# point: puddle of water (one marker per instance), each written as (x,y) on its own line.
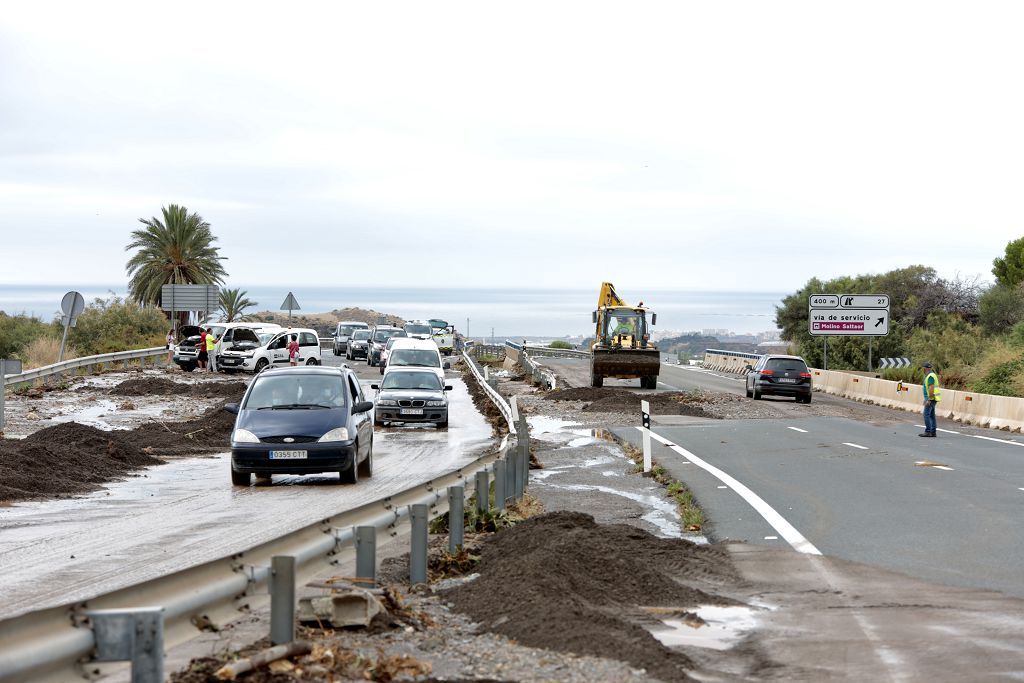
(90,415)
(544,424)
(664,515)
(723,627)
(581,441)
(599,460)
(611,473)
(541,475)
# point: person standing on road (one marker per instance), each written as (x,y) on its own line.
(169,345)
(202,355)
(293,350)
(211,343)
(932,395)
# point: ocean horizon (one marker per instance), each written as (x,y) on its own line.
(509,312)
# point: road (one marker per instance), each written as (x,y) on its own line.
(869,490)
(187,512)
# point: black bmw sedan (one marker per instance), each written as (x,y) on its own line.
(411,394)
(302,420)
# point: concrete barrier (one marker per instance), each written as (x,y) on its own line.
(982,410)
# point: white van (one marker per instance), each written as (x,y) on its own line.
(420,353)
(272,351)
(237,336)
(418,329)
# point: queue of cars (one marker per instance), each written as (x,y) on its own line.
(303,420)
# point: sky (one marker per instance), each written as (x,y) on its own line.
(741,146)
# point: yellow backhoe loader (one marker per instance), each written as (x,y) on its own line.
(622,344)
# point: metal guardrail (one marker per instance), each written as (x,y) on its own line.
(57,643)
(548,352)
(85,361)
(738,354)
(492,393)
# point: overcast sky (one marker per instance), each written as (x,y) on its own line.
(727,146)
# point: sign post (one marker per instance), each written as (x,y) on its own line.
(8,366)
(72,305)
(645,422)
(290,304)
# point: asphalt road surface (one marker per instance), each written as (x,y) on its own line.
(947,509)
(187,512)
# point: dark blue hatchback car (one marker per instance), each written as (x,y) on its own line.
(302,420)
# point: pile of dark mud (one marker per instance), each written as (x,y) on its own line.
(563,582)
(161,386)
(606,400)
(71,458)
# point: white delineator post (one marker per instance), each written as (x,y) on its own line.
(645,420)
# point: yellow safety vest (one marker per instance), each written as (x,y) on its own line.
(936,392)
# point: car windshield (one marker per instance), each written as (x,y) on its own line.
(785,364)
(411,380)
(421,357)
(218,330)
(265,337)
(361,335)
(345,330)
(296,391)
(416,328)
(384,335)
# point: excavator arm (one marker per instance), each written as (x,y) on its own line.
(608,297)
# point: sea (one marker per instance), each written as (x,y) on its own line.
(482,312)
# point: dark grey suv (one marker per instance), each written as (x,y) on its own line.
(775,375)
(379,335)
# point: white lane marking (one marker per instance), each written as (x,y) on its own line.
(1022,488)
(934,466)
(771,538)
(855,445)
(797,429)
(946,431)
(777,522)
(979,436)
(725,487)
(669,386)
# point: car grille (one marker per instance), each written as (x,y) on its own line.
(411,404)
(294,439)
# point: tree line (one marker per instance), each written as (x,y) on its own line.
(972,331)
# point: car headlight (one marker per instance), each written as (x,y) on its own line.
(386,402)
(244,436)
(339,434)
(435,404)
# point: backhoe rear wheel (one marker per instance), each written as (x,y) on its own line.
(596,380)
(649,382)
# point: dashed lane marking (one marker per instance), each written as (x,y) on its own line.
(855,445)
(771,538)
(777,521)
(797,429)
(979,436)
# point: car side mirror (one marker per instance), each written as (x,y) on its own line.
(231,408)
(749,368)
(376,387)
(362,407)
(448,387)
(446,366)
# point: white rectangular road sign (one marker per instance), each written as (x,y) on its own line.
(862,301)
(864,322)
(823,301)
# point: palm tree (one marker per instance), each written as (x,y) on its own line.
(233,303)
(175,251)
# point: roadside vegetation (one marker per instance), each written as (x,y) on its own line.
(972,331)
(560,344)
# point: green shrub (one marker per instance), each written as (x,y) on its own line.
(560,344)
(1001,380)
(113,324)
(18,331)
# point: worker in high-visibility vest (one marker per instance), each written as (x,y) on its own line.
(932,395)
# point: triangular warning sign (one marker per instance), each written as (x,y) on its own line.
(290,304)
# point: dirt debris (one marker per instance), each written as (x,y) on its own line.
(71,458)
(161,386)
(605,400)
(563,582)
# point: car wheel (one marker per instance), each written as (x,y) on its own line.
(188,368)
(748,391)
(240,478)
(756,393)
(807,399)
(351,475)
(366,466)
(261,365)
(311,361)
(442,425)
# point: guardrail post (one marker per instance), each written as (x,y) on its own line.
(282,599)
(456,518)
(523,435)
(418,550)
(482,491)
(502,481)
(366,552)
(135,635)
